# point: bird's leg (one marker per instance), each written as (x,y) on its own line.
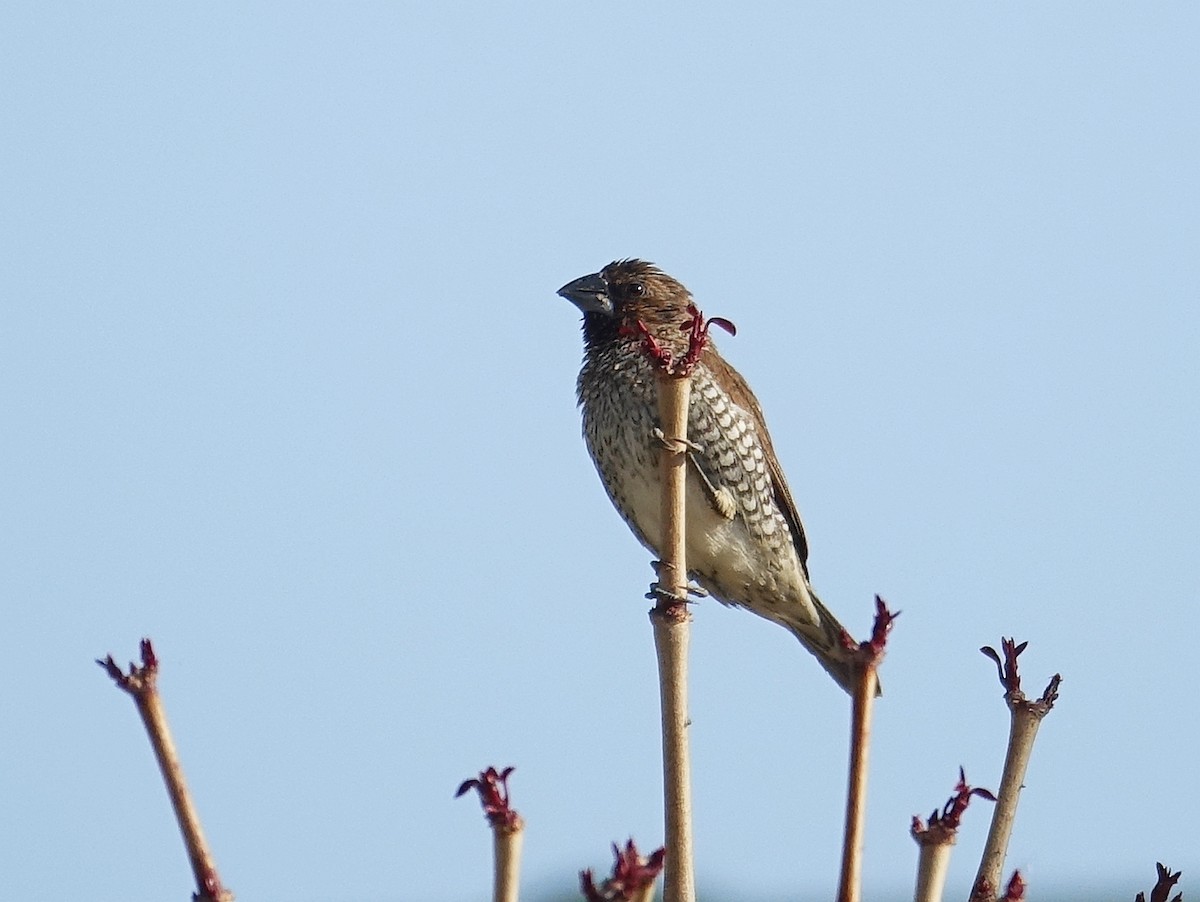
(721,498)
(675,444)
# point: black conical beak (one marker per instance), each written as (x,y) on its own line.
(589,294)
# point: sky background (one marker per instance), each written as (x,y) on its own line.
(285,386)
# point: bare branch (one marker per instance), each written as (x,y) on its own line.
(1026,717)
(508,830)
(141,683)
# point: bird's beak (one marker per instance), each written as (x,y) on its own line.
(589,294)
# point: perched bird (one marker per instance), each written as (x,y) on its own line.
(745,543)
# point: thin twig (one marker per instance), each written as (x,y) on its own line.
(508,830)
(506,855)
(937,838)
(850,884)
(670,618)
(1026,717)
(866,657)
(141,683)
(933,863)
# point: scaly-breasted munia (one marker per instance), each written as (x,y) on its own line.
(745,543)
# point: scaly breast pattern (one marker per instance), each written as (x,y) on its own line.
(747,559)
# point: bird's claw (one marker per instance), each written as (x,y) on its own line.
(676,444)
(658,590)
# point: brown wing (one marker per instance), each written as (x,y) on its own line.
(741,395)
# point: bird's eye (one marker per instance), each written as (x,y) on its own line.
(637,289)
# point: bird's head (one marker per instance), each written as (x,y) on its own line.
(625,292)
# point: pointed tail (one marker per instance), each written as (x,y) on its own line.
(824,640)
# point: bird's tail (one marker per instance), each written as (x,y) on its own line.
(824,640)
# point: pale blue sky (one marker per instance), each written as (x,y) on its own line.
(285,386)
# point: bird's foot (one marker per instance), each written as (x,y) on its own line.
(676,444)
(658,590)
(660,593)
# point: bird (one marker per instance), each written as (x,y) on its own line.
(745,543)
